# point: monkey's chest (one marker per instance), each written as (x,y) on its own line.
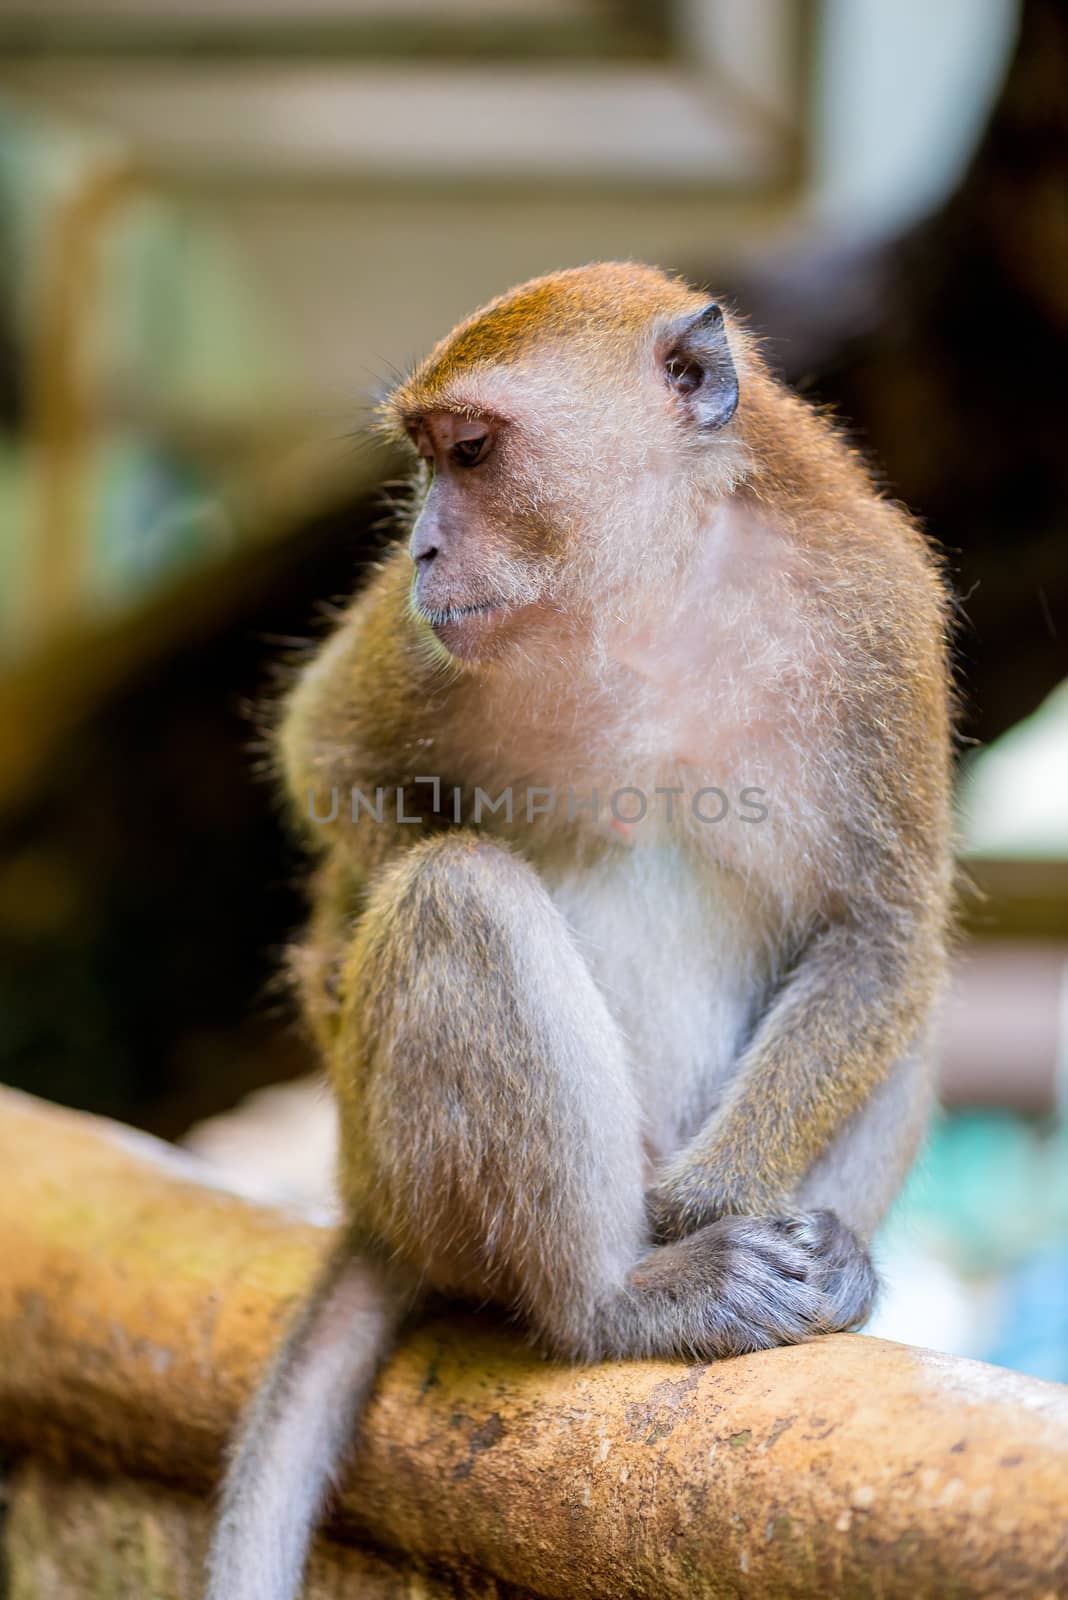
(679,962)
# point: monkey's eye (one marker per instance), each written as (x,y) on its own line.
(469,452)
(684,374)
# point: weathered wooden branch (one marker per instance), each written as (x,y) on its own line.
(137,1304)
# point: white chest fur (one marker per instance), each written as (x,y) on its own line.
(681,967)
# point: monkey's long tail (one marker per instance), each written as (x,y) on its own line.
(298,1427)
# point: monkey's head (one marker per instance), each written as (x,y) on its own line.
(569,434)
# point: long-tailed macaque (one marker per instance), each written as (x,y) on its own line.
(628,773)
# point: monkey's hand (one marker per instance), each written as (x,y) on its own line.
(763,1281)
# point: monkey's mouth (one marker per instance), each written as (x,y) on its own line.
(466,632)
(451,615)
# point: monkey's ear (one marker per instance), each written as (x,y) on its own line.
(699,369)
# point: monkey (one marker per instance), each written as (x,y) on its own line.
(645,1076)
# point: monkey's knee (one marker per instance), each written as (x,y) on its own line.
(463,861)
(444,924)
(457,887)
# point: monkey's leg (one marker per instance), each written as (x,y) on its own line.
(491,1135)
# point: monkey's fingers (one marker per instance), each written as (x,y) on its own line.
(750,1283)
(842,1266)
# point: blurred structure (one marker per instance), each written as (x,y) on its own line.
(223,226)
(943,349)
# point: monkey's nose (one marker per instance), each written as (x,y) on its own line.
(423,546)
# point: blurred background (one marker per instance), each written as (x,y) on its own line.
(226,224)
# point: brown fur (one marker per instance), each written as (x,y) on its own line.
(555,1041)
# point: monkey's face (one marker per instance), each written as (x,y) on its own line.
(481,550)
(567,436)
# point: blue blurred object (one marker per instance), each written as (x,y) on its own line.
(1033,1337)
(975,1254)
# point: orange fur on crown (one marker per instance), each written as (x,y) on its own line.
(603,304)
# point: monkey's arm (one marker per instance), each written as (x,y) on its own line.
(353,733)
(351,736)
(850,1009)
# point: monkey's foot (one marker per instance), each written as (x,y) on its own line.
(749,1283)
